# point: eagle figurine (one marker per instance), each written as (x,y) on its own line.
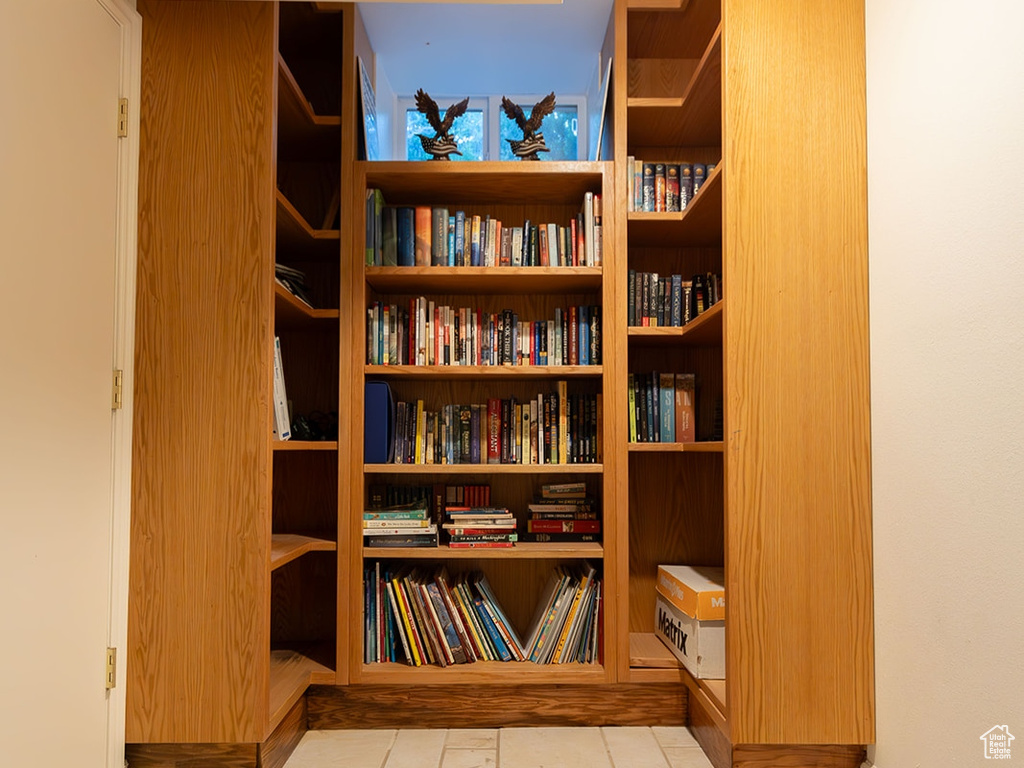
(532,141)
(442,144)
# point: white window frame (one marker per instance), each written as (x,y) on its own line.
(491,107)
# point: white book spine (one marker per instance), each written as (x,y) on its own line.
(282,424)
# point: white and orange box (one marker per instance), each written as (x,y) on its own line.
(690,617)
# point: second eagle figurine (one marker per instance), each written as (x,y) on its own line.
(532,141)
(442,144)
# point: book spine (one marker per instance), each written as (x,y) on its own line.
(648,187)
(667,394)
(423,235)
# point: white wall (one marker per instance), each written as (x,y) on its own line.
(946,212)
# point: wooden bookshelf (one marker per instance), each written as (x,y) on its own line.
(482,672)
(709,446)
(484,280)
(483,469)
(483,372)
(290,674)
(285,547)
(700,224)
(291,312)
(303,134)
(703,330)
(295,235)
(305,445)
(527,550)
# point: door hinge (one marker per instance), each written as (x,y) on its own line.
(111,668)
(122,118)
(117,400)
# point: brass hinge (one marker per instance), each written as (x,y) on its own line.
(122,118)
(117,400)
(111,668)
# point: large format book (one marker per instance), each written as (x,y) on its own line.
(406,236)
(423,235)
(685,407)
(282,423)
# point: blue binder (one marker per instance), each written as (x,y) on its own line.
(378,424)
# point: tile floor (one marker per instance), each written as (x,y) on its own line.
(500,748)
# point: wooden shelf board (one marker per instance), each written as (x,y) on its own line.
(705,330)
(700,224)
(648,652)
(704,446)
(484,372)
(691,120)
(483,469)
(305,445)
(303,134)
(285,547)
(483,672)
(657,5)
(484,280)
(650,660)
(408,183)
(715,689)
(290,674)
(292,312)
(521,551)
(296,238)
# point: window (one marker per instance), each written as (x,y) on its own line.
(483,132)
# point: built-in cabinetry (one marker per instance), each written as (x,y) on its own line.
(247,557)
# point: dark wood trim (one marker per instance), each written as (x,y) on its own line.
(706,730)
(495,706)
(275,751)
(798,756)
(191,755)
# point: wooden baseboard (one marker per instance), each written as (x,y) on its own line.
(495,706)
(797,756)
(272,753)
(709,729)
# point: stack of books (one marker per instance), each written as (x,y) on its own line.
(293,281)
(480,527)
(567,624)
(563,513)
(404,525)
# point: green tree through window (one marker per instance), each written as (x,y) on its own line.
(468,132)
(560,129)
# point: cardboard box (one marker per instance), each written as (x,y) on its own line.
(690,617)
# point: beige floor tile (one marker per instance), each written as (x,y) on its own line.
(478,738)
(674,736)
(552,748)
(417,748)
(350,749)
(687,757)
(633,748)
(469,758)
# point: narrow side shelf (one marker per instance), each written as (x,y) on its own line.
(301,131)
(295,236)
(704,330)
(290,674)
(706,446)
(521,551)
(694,119)
(484,280)
(700,224)
(651,661)
(285,547)
(305,445)
(483,469)
(292,312)
(483,372)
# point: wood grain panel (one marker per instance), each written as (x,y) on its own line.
(306,493)
(799,615)
(710,730)
(198,629)
(192,755)
(290,675)
(797,756)
(659,77)
(304,605)
(658,33)
(391,706)
(275,751)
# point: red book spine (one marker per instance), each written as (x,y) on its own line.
(563,526)
(574,352)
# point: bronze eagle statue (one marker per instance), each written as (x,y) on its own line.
(442,144)
(532,141)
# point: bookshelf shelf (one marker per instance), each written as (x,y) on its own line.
(303,134)
(708,446)
(305,445)
(295,235)
(510,183)
(521,551)
(693,119)
(482,672)
(700,224)
(291,312)
(705,330)
(290,674)
(484,280)
(483,372)
(285,547)
(483,469)
(657,5)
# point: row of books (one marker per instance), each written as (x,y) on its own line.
(553,428)
(436,496)
(664,186)
(425,616)
(478,527)
(400,525)
(430,334)
(432,236)
(569,515)
(669,300)
(662,408)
